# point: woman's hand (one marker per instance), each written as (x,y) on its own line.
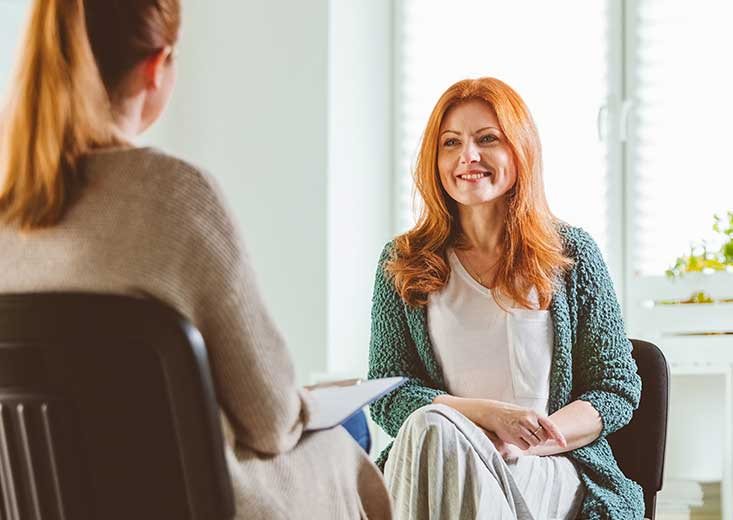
(520,426)
(513,424)
(506,450)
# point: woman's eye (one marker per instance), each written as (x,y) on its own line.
(488,138)
(450,142)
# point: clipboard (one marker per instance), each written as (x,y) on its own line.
(336,404)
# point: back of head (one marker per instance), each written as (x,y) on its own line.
(71,70)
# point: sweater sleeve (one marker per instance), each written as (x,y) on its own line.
(392,352)
(251,366)
(604,369)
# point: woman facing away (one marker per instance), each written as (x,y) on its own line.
(506,323)
(81,209)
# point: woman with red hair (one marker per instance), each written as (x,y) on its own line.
(506,323)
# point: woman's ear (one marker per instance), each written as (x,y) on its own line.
(154,67)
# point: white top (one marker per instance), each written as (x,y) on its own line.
(486,352)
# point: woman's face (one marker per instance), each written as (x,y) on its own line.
(475,162)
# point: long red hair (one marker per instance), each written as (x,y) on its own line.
(533,253)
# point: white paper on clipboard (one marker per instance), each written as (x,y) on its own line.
(334,404)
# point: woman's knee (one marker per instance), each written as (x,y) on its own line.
(441,425)
(431,419)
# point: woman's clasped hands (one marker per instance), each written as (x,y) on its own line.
(522,427)
(514,430)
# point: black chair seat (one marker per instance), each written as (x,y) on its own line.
(107,411)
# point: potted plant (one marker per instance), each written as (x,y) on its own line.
(701,259)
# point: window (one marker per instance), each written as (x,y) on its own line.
(631,98)
(680,89)
(560,68)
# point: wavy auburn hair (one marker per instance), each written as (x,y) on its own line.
(533,253)
(74,57)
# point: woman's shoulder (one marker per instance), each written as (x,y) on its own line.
(186,175)
(589,272)
(175,193)
(388,251)
(578,244)
(147,166)
(387,254)
(154,174)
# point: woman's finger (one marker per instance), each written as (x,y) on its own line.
(532,439)
(552,430)
(522,443)
(540,433)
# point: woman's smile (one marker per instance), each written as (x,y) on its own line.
(474,176)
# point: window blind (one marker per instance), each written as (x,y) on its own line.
(681,172)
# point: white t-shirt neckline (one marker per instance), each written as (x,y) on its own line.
(458,268)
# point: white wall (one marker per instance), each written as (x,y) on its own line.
(360,172)
(251,107)
(288,104)
(12,19)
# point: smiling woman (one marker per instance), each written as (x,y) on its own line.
(474,159)
(506,324)
(476,126)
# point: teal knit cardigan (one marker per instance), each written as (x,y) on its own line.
(591,361)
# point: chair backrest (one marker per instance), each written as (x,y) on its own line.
(639,446)
(107,410)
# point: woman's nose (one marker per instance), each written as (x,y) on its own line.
(469,153)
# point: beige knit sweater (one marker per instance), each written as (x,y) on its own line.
(151,224)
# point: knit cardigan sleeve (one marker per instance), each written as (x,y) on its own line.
(392,352)
(604,370)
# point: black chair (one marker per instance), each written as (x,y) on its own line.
(639,446)
(107,411)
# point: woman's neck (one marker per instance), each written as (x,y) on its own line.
(483,226)
(128,117)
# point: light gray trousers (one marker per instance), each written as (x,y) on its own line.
(442,466)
